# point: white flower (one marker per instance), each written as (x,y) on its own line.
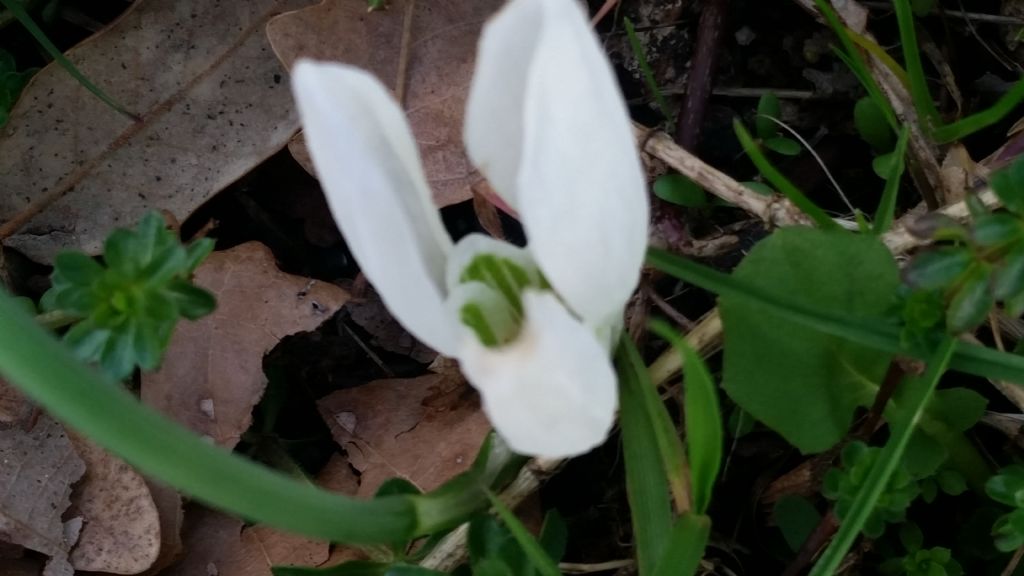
(547,125)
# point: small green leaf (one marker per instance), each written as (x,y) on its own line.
(679,189)
(886,211)
(554,535)
(783,145)
(1008,279)
(768,107)
(937,268)
(972,302)
(996,230)
(534,552)
(1007,487)
(958,408)
(1008,184)
(872,125)
(911,536)
(1008,532)
(882,164)
(797,518)
(951,482)
(77,268)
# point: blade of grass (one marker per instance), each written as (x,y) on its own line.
(779,181)
(851,57)
(645,68)
(886,212)
(878,333)
(19,12)
(646,484)
(687,541)
(980,120)
(879,53)
(927,113)
(878,478)
(39,365)
(533,550)
(703,418)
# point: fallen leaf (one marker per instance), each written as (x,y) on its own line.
(425,429)
(15,409)
(369,312)
(212,101)
(121,530)
(212,375)
(39,468)
(441,52)
(172,516)
(216,545)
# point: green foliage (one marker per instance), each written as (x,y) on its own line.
(797,518)
(19,12)
(871,124)
(886,211)
(358,568)
(11,84)
(919,561)
(1007,487)
(511,549)
(679,189)
(767,127)
(645,68)
(843,485)
(129,306)
(799,382)
(981,264)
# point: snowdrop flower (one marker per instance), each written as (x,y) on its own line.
(546,124)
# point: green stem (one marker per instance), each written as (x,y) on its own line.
(45,370)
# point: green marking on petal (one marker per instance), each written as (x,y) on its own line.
(472,315)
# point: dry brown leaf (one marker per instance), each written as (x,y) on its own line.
(15,409)
(212,375)
(216,544)
(172,516)
(440,63)
(121,529)
(424,429)
(39,468)
(213,102)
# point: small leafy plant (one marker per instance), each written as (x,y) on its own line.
(1007,487)
(126,307)
(920,561)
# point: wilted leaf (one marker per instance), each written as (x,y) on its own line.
(213,103)
(121,529)
(442,47)
(424,429)
(172,516)
(216,545)
(39,468)
(212,375)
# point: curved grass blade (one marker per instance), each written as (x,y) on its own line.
(645,68)
(44,369)
(646,484)
(886,211)
(779,181)
(878,479)
(533,550)
(873,332)
(849,55)
(19,12)
(980,120)
(927,113)
(703,419)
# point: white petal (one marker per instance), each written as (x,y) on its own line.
(493,128)
(582,195)
(368,165)
(552,391)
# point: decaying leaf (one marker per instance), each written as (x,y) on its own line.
(212,375)
(441,49)
(212,103)
(39,468)
(369,313)
(216,544)
(424,429)
(172,516)
(15,409)
(121,529)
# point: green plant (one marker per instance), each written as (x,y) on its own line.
(11,84)
(843,485)
(920,561)
(1007,487)
(128,306)
(767,126)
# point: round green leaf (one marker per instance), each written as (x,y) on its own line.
(767,106)
(1008,279)
(972,302)
(679,189)
(872,125)
(937,268)
(997,229)
(1008,184)
(783,145)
